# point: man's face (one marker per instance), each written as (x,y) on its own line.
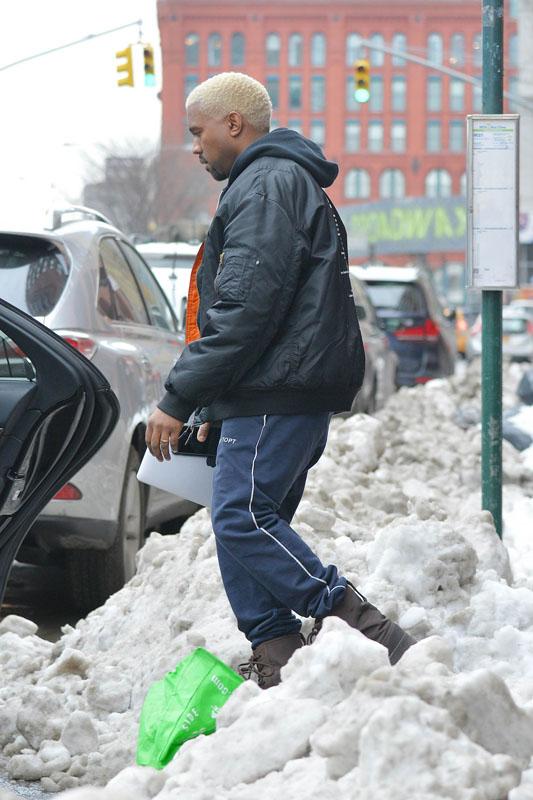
(212,143)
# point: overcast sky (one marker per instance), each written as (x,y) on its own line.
(59,106)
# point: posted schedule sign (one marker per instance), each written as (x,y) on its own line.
(492,190)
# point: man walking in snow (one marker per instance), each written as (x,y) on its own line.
(279,352)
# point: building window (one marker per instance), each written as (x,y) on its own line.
(433,136)
(273,47)
(377,57)
(477,47)
(190,82)
(295,125)
(457,50)
(318,50)
(392,183)
(399,42)
(433,93)
(375,102)
(274,124)
(214,50)
(318,93)
(192,49)
(462,184)
(318,132)
(399,91)
(357,184)
(295,91)
(477,99)
(438,183)
(352,136)
(398,136)
(272,87)
(237,49)
(456,136)
(353,48)
(375,136)
(513,9)
(513,50)
(457,95)
(351,102)
(434,48)
(513,89)
(295,50)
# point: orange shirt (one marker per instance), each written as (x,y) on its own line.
(192,331)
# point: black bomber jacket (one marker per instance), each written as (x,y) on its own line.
(279,331)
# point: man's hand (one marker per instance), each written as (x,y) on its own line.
(162,434)
(203,431)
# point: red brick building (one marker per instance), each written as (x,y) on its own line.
(407,141)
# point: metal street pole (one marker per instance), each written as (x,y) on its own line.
(491,309)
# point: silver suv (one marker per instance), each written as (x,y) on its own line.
(83,279)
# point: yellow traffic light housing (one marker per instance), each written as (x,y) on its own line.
(149,70)
(126,67)
(361,77)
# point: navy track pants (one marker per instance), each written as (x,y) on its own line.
(268,571)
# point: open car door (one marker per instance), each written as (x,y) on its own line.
(56,410)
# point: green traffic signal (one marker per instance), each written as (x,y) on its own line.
(149,70)
(361,78)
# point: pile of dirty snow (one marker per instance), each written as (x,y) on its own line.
(394,503)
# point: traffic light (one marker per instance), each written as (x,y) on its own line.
(126,67)
(148,59)
(361,77)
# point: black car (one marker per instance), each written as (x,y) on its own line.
(56,411)
(410,312)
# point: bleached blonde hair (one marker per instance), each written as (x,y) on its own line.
(233,91)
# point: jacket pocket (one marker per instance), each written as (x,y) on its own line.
(234,278)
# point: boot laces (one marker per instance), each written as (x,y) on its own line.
(317,627)
(254,666)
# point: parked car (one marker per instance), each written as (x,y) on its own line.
(381,361)
(171,263)
(523,304)
(56,411)
(83,279)
(517,335)
(410,312)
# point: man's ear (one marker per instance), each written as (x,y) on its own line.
(235,123)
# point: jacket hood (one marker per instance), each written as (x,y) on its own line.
(284,143)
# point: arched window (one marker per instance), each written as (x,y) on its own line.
(237,49)
(457,49)
(392,183)
(434,47)
(192,49)
(295,50)
(353,48)
(438,183)
(273,47)
(377,57)
(318,50)
(477,47)
(399,42)
(513,50)
(214,50)
(357,184)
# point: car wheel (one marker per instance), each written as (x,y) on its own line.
(93,575)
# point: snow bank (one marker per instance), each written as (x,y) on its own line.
(395,503)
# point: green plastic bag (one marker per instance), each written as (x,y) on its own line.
(183,705)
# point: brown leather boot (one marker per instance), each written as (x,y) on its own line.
(355,609)
(269,657)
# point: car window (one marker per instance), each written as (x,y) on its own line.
(397,296)
(514,325)
(13,362)
(156,302)
(33,273)
(118,294)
